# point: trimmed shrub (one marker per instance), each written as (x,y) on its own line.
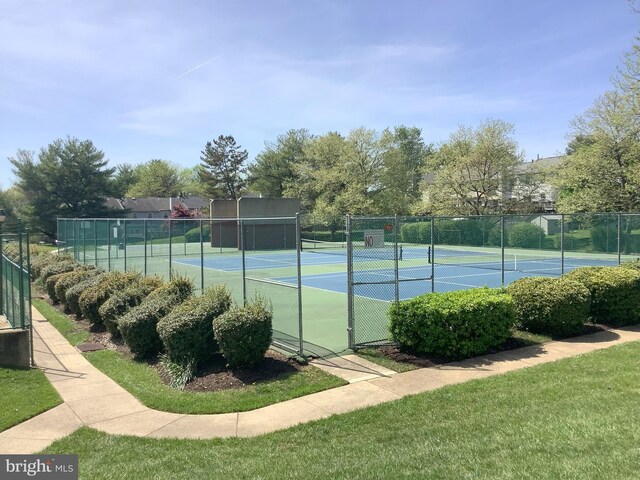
(635,265)
(244,334)
(121,301)
(186,332)
(44,260)
(454,324)
(193,235)
(51,284)
(69,279)
(93,297)
(138,325)
(524,235)
(56,268)
(615,293)
(552,306)
(73,293)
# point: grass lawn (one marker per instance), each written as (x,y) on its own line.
(25,394)
(144,383)
(576,418)
(373,355)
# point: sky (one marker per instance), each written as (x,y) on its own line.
(158,79)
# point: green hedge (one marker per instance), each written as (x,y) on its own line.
(419,233)
(121,301)
(524,235)
(56,268)
(69,279)
(244,334)
(193,235)
(50,286)
(39,262)
(456,324)
(615,293)
(93,297)
(186,332)
(73,293)
(558,307)
(139,325)
(476,232)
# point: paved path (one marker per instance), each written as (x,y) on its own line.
(92,399)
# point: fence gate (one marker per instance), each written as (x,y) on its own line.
(388,259)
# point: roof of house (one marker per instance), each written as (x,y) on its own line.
(542,162)
(156,204)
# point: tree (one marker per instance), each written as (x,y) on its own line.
(156,178)
(274,166)
(603,174)
(69,179)
(190,182)
(223,168)
(404,154)
(338,175)
(470,172)
(125,177)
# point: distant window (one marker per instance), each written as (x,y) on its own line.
(134,215)
(149,215)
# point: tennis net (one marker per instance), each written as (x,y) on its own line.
(544,263)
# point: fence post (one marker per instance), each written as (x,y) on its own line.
(95,243)
(144,236)
(502,248)
(20,275)
(201,258)
(170,253)
(109,233)
(244,264)
(2,273)
(432,259)
(299,262)
(28,279)
(396,275)
(350,319)
(84,241)
(562,244)
(619,238)
(124,238)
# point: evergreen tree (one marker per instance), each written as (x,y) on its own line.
(223,168)
(69,179)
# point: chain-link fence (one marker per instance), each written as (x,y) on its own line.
(393,258)
(387,260)
(15,285)
(331,281)
(246,255)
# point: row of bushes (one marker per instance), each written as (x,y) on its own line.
(475,233)
(471,322)
(153,317)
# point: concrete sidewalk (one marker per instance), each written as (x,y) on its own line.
(92,399)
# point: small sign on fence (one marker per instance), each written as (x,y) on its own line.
(373,238)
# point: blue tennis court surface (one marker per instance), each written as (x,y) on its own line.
(447,277)
(482,269)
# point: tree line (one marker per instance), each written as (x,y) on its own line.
(477,170)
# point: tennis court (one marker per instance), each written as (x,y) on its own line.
(328,297)
(454,269)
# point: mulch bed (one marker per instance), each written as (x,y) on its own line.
(393,352)
(213,376)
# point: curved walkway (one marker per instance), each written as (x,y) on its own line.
(94,400)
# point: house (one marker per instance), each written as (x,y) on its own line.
(528,192)
(532,188)
(156,207)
